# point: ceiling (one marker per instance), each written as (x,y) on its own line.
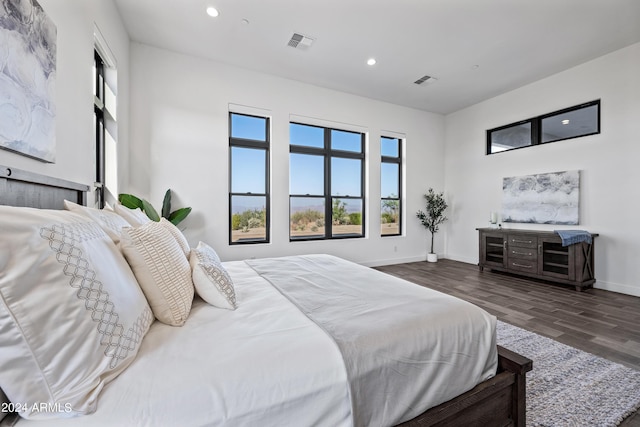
(476,49)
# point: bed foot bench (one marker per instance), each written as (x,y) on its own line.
(499,401)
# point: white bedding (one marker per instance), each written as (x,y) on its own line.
(263,364)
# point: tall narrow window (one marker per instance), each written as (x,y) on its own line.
(249,179)
(326,183)
(105,124)
(99,124)
(391,186)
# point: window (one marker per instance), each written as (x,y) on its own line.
(99,125)
(249,179)
(326,181)
(572,122)
(390,186)
(104,106)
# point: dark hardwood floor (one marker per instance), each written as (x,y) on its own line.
(600,322)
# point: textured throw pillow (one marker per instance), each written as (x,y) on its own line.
(135,217)
(211,280)
(177,234)
(108,220)
(72,316)
(162,271)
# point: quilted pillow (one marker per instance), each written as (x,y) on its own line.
(135,217)
(108,220)
(211,280)
(177,234)
(162,271)
(72,316)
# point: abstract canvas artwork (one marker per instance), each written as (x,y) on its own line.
(549,198)
(27,79)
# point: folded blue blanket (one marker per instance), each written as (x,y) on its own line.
(569,237)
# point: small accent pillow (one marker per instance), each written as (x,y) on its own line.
(210,278)
(135,217)
(108,220)
(177,234)
(72,316)
(162,271)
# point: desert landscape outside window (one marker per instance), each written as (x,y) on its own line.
(326,183)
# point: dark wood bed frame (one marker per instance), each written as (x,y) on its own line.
(499,401)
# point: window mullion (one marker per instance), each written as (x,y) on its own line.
(328,204)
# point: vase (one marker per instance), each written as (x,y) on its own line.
(432,257)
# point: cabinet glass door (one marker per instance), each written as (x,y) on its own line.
(494,250)
(554,259)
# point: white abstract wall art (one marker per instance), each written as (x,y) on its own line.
(549,198)
(27,80)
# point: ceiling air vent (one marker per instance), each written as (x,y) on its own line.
(425,80)
(300,41)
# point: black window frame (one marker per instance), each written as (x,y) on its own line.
(536,127)
(394,160)
(256,145)
(328,154)
(99,118)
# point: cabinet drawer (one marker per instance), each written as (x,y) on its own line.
(527,265)
(522,241)
(523,253)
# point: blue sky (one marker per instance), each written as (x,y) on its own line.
(306,171)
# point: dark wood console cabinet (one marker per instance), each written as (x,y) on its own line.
(537,254)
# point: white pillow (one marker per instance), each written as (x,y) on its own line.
(177,234)
(111,222)
(72,316)
(212,281)
(162,271)
(135,217)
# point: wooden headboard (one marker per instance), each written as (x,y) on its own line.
(28,189)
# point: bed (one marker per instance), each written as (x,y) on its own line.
(291,341)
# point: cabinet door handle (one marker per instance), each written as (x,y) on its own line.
(522,241)
(521,265)
(521,253)
(504,245)
(539,249)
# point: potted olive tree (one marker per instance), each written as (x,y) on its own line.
(433,217)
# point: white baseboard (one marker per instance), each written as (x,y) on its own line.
(467,260)
(617,287)
(607,286)
(381,262)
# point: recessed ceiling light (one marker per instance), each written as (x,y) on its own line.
(212,11)
(565,122)
(371,61)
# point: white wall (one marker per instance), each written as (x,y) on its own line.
(609,202)
(179,134)
(75,146)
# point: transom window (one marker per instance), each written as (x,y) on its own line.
(390,186)
(572,122)
(249,179)
(326,183)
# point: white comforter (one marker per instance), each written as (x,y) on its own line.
(263,364)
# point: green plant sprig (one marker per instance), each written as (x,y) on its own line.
(175,217)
